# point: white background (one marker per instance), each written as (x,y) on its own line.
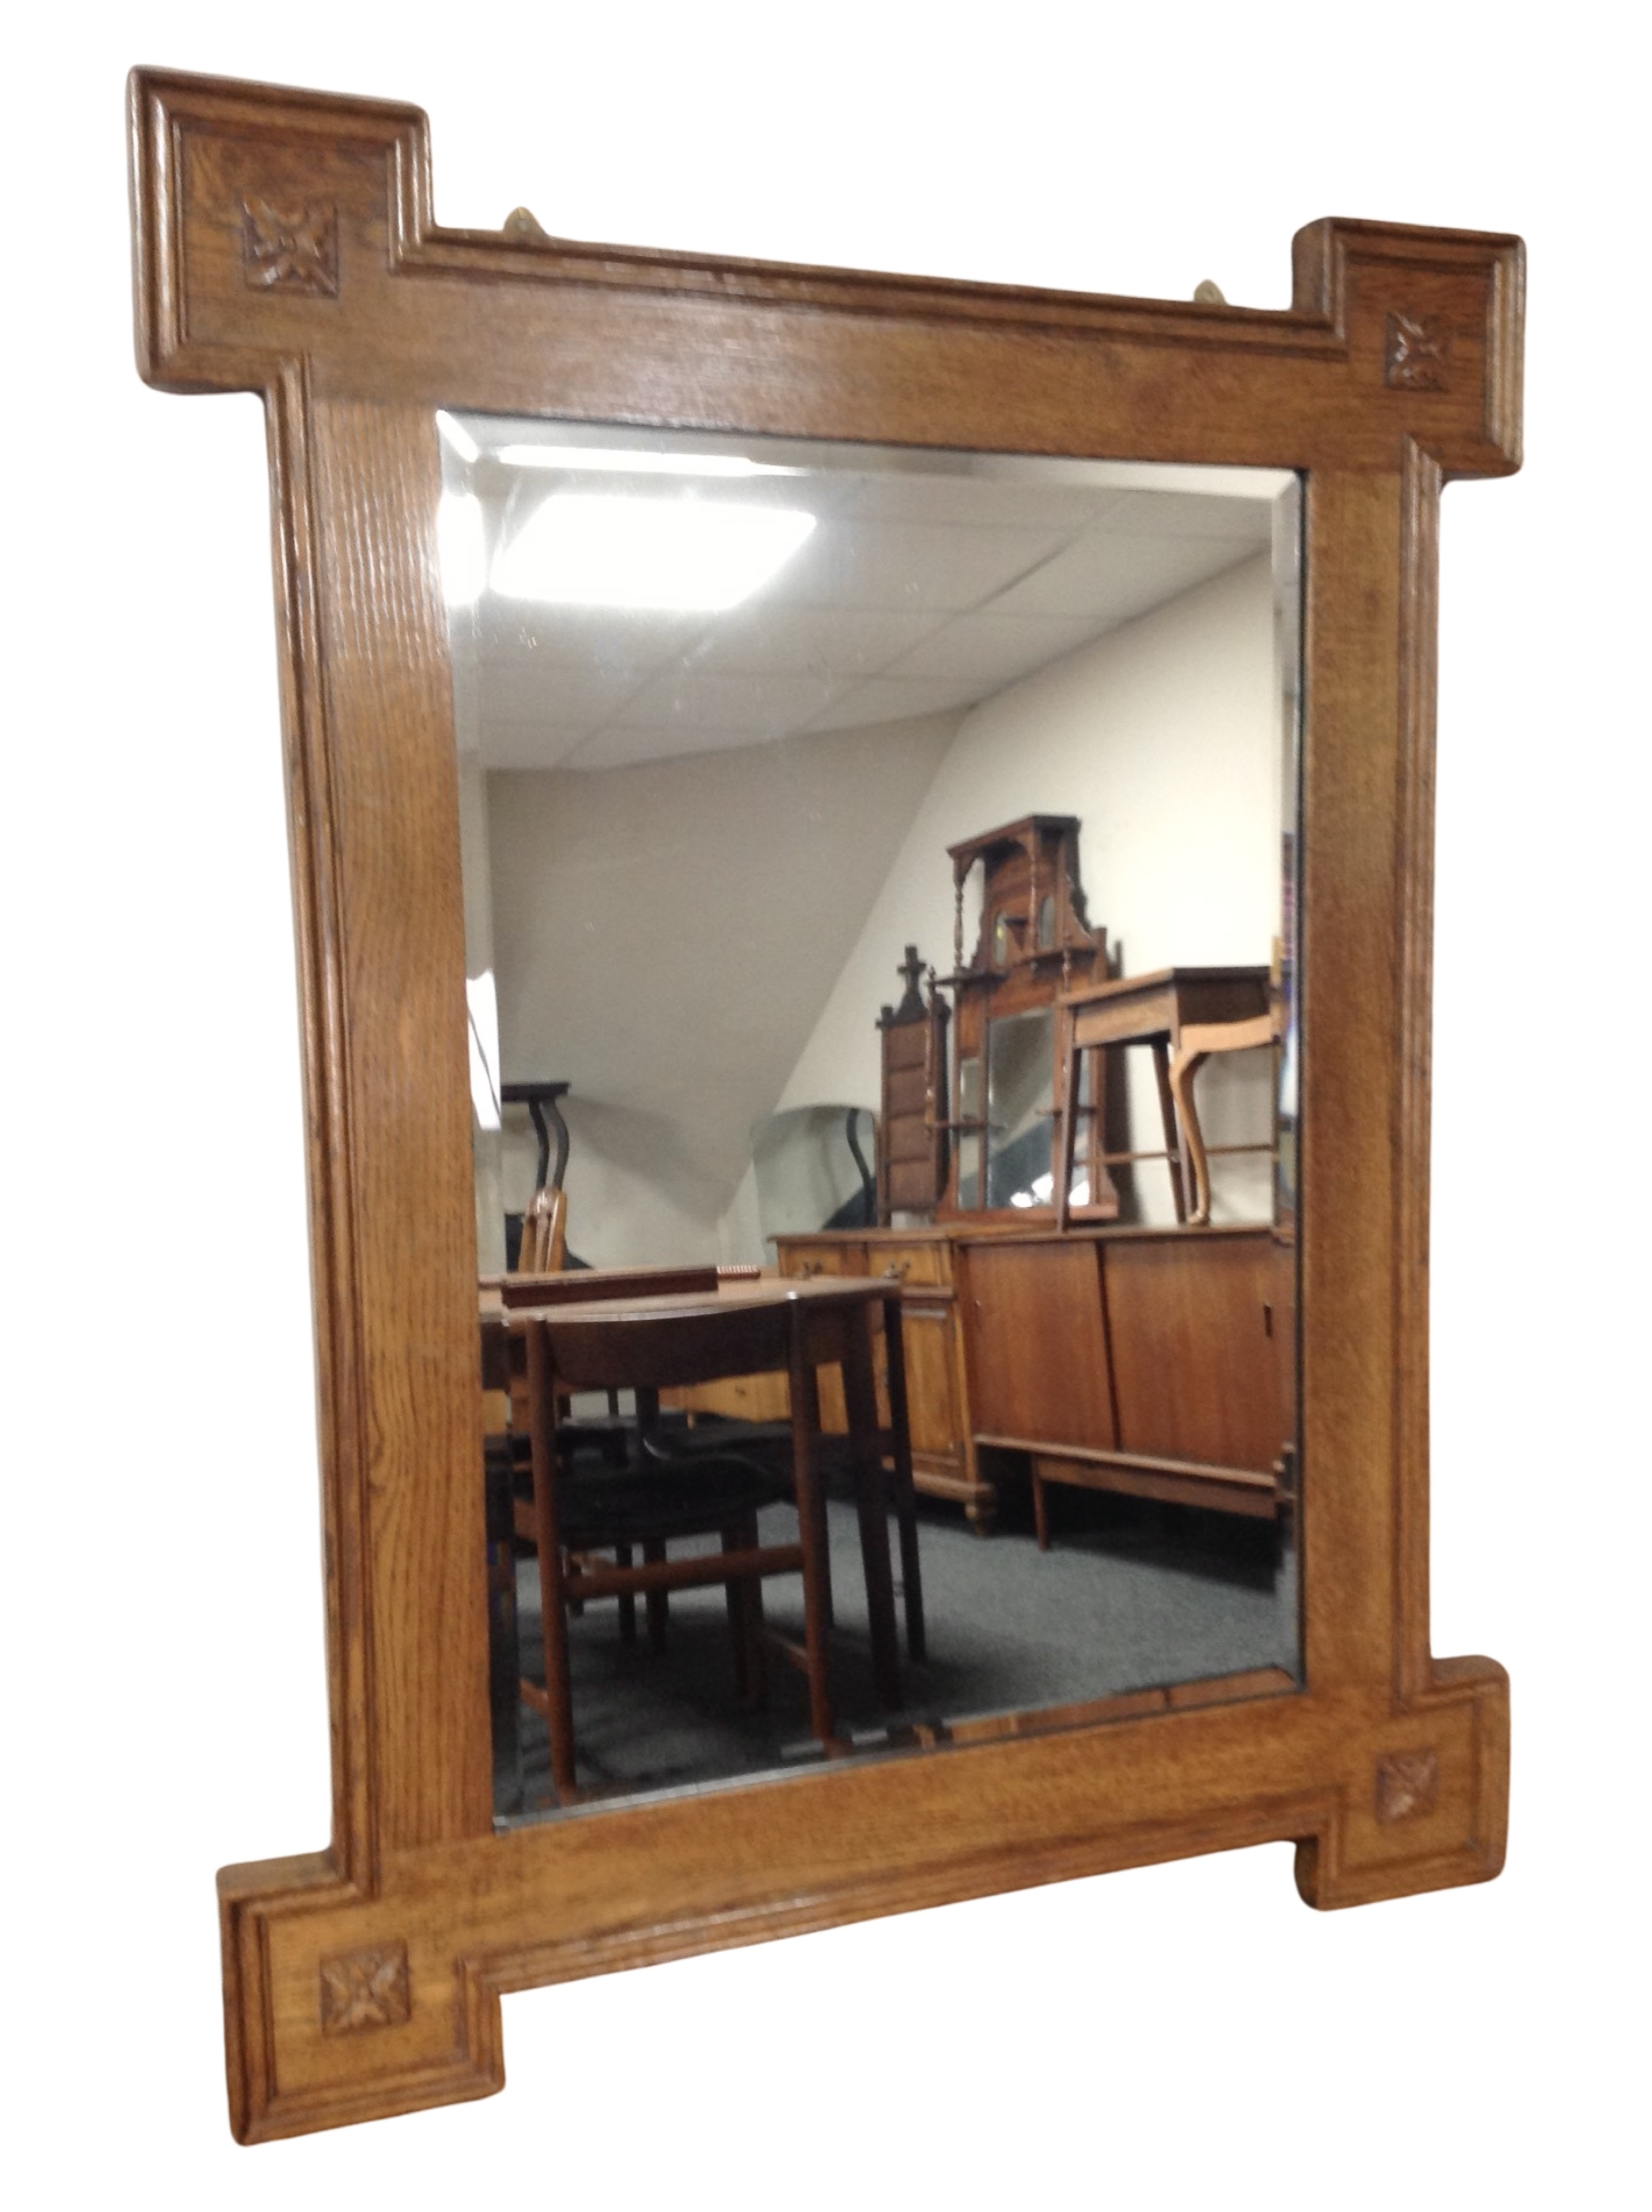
(1188,2035)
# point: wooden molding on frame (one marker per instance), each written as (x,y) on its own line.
(284,245)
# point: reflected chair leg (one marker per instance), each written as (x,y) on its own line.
(905,1494)
(1041,1508)
(805,1423)
(872,1508)
(653,1551)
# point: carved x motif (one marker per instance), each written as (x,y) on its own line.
(290,249)
(365,1988)
(1417,352)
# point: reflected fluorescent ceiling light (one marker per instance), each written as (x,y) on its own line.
(600,549)
(457,436)
(621,461)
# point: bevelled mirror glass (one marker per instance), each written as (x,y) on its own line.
(828,811)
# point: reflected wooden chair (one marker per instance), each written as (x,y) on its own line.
(648,1352)
(616,1436)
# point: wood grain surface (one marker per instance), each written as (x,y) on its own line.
(284,245)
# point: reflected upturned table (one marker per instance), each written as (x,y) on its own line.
(1169,1010)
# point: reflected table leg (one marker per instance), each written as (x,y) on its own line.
(872,1504)
(906,1495)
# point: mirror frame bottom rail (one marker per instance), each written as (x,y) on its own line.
(284,245)
(1380,1802)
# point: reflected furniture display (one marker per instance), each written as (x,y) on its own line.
(919,1265)
(505,1417)
(573,1517)
(1156,1010)
(1038,1010)
(1155,1363)
(651,1343)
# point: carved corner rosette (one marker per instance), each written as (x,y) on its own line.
(300,2000)
(1417,355)
(1407,1785)
(1427,1809)
(365,1988)
(289,248)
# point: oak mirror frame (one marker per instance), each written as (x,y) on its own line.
(284,245)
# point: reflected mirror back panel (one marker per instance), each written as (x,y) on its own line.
(880,925)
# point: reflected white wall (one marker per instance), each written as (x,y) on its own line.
(667,936)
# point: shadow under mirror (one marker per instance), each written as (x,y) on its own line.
(879,921)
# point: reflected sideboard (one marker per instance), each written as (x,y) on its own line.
(1157,1363)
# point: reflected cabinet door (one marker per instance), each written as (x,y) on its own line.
(1037,1338)
(1203,1333)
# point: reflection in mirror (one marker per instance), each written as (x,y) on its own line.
(967,1132)
(1020,1070)
(813,1171)
(877,866)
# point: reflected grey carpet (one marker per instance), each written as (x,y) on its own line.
(1129,1596)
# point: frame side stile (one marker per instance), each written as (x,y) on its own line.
(389,702)
(323,1016)
(1349,1159)
(1418,648)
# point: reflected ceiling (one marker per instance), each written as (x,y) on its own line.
(921,589)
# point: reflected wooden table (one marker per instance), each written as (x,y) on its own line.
(837,1316)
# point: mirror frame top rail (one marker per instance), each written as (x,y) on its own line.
(284,245)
